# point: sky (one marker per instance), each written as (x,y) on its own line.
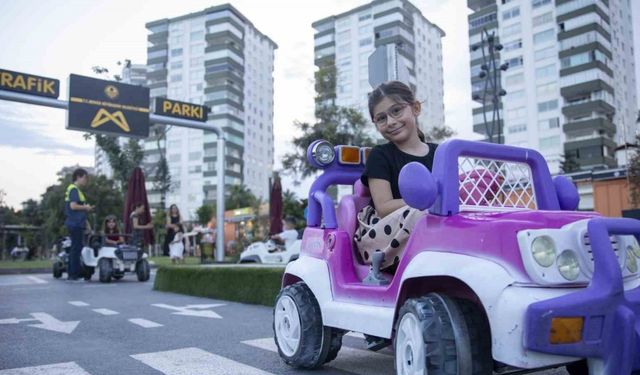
(56,38)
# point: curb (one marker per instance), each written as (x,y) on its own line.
(20,271)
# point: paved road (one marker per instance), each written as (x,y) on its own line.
(49,327)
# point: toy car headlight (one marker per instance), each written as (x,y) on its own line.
(631,261)
(323,153)
(568,265)
(635,248)
(544,251)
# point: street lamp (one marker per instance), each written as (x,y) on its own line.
(492,91)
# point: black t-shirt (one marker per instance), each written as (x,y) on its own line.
(385,162)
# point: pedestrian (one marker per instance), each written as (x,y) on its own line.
(137,227)
(174,219)
(176,247)
(75,209)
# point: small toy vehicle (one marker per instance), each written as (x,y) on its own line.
(270,253)
(501,274)
(111,261)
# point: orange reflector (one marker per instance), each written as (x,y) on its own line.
(365,154)
(566,330)
(349,155)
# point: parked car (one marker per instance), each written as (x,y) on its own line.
(501,274)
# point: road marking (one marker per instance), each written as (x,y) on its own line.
(15,321)
(357,361)
(193,310)
(67,368)
(144,323)
(106,312)
(50,323)
(78,303)
(37,280)
(99,285)
(357,335)
(195,361)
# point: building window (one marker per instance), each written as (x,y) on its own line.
(546,71)
(519,128)
(511,13)
(512,46)
(549,142)
(544,36)
(477,22)
(176,52)
(515,113)
(547,89)
(176,65)
(538,3)
(176,78)
(511,30)
(514,79)
(542,19)
(365,42)
(545,53)
(364,16)
(551,123)
(515,62)
(197,35)
(548,105)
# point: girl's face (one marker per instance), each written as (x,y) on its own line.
(174,210)
(111,224)
(396,121)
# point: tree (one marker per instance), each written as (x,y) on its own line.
(2,196)
(569,163)
(294,207)
(122,160)
(205,213)
(439,134)
(100,191)
(238,196)
(634,175)
(162,175)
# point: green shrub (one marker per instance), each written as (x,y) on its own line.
(255,285)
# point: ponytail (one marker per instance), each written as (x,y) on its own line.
(421,135)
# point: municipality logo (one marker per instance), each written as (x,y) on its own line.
(111,92)
(103,116)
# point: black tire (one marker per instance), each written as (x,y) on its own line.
(143,271)
(315,343)
(105,269)
(118,277)
(87,273)
(58,269)
(578,368)
(455,334)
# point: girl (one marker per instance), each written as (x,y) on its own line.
(111,231)
(176,247)
(385,225)
(173,221)
(137,228)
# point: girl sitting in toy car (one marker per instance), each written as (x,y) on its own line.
(385,225)
(111,231)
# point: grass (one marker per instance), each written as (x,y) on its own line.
(166,261)
(25,264)
(255,285)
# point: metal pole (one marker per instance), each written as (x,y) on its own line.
(156,119)
(220,199)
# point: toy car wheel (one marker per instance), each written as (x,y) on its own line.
(118,277)
(105,269)
(143,270)
(58,268)
(87,273)
(578,368)
(438,335)
(301,338)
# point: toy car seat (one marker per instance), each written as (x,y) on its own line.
(349,207)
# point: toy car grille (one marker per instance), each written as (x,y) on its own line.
(489,184)
(129,255)
(589,252)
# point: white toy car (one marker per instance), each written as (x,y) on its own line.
(268,252)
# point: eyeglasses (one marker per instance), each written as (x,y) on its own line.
(395,111)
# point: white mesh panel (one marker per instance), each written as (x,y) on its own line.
(495,185)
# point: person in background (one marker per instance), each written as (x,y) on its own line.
(111,231)
(176,247)
(174,219)
(137,227)
(289,235)
(75,209)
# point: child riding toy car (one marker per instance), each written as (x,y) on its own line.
(500,274)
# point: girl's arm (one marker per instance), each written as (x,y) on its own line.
(137,225)
(383,198)
(110,242)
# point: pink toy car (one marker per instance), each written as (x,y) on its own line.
(501,274)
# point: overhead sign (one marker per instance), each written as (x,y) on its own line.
(29,84)
(187,111)
(114,108)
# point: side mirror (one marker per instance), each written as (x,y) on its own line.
(417,186)
(567,193)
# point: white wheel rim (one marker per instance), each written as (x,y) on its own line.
(287,322)
(410,350)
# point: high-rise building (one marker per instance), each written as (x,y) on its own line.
(218,58)
(133,74)
(570,83)
(413,46)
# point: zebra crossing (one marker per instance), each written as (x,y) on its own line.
(194,360)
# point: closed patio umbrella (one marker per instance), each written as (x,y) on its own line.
(137,192)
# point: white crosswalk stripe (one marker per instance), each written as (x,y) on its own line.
(37,280)
(78,303)
(144,323)
(67,368)
(106,312)
(353,360)
(195,361)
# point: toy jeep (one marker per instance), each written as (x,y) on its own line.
(269,253)
(501,274)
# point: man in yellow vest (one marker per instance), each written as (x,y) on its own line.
(75,209)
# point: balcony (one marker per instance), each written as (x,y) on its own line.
(584,88)
(587,107)
(598,125)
